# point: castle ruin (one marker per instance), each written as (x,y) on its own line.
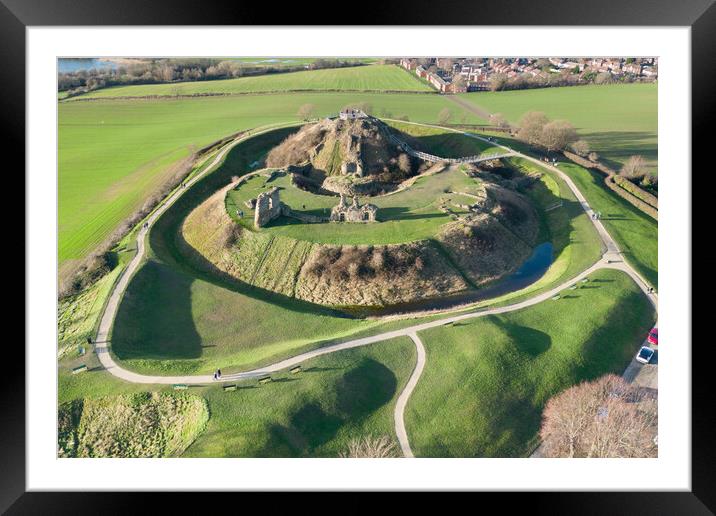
(351,114)
(343,212)
(268,207)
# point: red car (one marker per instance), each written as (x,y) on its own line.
(653,337)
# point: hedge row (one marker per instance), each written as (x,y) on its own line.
(614,183)
(579,160)
(632,199)
(241,94)
(636,191)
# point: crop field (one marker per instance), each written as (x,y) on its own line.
(114,153)
(617,120)
(408,215)
(486,381)
(359,78)
(286,61)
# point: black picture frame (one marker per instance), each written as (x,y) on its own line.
(700,15)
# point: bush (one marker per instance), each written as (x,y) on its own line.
(581,148)
(370,448)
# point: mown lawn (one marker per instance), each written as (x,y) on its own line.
(113,154)
(635,232)
(486,381)
(405,216)
(337,397)
(358,78)
(617,120)
(443,142)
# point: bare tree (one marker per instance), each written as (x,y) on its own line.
(607,417)
(166,73)
(634,168)
(603,78)
(370,448)
(306,111)
(498,120)
(556,135)
(580,147)
(531,126)
(444,116)
(498,82)
(458,82)
(404,163)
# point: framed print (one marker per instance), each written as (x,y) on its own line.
(284,257)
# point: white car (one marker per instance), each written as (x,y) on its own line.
(645,354)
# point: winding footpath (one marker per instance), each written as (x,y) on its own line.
(611,259)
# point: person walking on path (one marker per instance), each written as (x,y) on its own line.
(218,374)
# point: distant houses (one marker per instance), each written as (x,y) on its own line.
(476,73)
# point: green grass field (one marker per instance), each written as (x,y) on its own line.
(360,78)
(443,142)
(405,216)
(635,232)
(617,120)
(114,153)
(486,381)
(337,397)
(177,316)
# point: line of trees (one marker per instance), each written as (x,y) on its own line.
(501,82)
(167,70)
(552,135)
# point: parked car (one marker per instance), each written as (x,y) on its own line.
(653,337)
(645,354)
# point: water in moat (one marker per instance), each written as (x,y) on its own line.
(530,271)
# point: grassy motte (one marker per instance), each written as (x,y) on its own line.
(486,380)
(131,425)
(179,316)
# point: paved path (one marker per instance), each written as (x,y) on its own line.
(610,259)
(399,413)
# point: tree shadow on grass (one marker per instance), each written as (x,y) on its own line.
(358,393)
(610,348)
(527,340)
(154,319)
(617,146)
